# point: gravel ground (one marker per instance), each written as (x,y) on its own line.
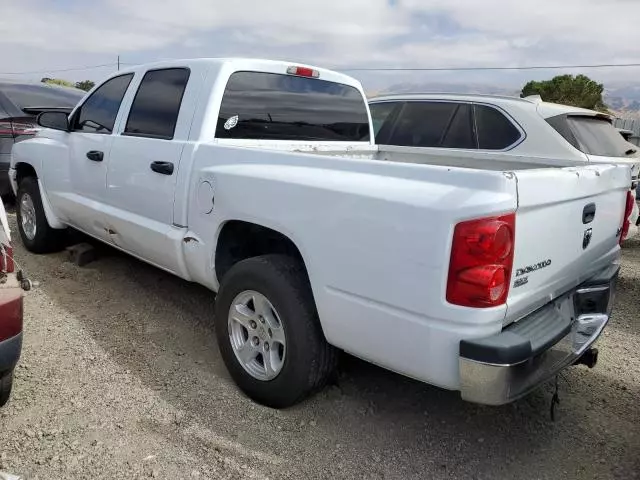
(121,378)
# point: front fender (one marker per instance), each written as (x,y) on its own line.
(32,152)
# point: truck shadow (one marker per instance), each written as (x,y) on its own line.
(160,328)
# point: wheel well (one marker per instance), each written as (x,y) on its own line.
(240,240)
(24,170)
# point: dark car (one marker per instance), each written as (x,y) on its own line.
(20,103)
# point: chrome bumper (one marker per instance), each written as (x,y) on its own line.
(526,354)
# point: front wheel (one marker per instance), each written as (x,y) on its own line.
(37,236)
(268,331)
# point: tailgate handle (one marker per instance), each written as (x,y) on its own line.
(589,213)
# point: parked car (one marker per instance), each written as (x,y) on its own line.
(19,105)
(10,311)
(626,134)
(260,180)
(517,128)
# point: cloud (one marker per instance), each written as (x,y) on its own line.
(124,25)
(333,33)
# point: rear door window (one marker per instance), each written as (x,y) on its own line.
(460,132)
(155,108)
(380,112)
(495,131)
(268,106)
(98,113)
(597,136)
(422,124)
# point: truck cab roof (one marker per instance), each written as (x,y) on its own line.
(235,64)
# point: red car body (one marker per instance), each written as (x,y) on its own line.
(10,311)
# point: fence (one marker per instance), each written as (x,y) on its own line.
(631,124)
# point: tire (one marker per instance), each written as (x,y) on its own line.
(308,359)
(6,382)
(46,239)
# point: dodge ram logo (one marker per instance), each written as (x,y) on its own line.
(586,239)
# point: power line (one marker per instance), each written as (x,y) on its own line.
(380,69)
(460,69)
(88,67)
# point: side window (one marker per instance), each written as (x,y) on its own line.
(379,114)
(495,131)
(98,113)
(155,108)
(460,131)
(422,124)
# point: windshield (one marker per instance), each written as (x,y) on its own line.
(270,106)
(596,136)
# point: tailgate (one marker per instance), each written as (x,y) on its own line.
(567,227)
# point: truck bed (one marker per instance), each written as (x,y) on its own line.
(474,160)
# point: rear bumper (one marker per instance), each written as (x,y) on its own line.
(504,367)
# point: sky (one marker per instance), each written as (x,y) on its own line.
(42,36)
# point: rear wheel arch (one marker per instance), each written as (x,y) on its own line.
(239,240)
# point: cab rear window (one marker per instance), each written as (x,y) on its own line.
(266,106)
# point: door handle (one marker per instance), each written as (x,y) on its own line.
(95,155)
(165,168)
(588,213)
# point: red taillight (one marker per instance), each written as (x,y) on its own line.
(16,128)
(626,223)
(6,259)
(10,312)
(303,72)
(481,262)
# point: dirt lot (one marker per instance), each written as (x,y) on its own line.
(121,378)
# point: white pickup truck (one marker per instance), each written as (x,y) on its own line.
(260,180)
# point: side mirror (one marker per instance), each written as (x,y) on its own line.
(54,120)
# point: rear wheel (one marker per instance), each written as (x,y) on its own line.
(37,236)
(6,382)
(268,331)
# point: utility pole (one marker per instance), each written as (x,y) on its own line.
(118,62)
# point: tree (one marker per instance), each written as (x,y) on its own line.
(57,81)
(85,85)
(579,91)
